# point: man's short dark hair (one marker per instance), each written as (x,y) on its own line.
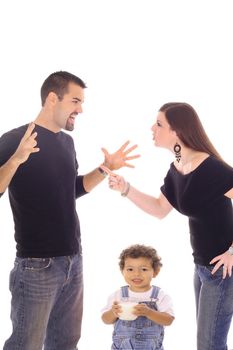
(58,83)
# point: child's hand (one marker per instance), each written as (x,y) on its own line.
(141,310)
(116,308)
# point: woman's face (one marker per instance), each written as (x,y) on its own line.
(163,135)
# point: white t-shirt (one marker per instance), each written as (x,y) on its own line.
(163,301)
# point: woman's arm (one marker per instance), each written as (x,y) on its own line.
(158,207)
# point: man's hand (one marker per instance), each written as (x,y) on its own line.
(119,158)
(26,146)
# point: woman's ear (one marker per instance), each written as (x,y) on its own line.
(173,133)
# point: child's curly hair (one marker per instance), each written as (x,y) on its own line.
(140,251)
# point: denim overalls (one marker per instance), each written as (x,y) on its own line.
(139,334)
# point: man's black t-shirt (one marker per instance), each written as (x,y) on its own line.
(42,194)
(200,196)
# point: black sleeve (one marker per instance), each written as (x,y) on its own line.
(79,188)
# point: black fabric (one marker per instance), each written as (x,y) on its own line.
(200,196)
(43,195)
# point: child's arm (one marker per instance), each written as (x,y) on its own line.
(111,315)
(162,318)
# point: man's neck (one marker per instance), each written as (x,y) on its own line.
(46,121)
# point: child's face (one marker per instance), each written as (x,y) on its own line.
(138,274)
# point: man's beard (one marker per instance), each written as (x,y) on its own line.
(69,126)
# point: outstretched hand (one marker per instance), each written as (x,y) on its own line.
(119,158)
(27,145)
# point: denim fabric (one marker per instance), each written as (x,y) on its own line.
(47,303)
(139,334)
(214,305)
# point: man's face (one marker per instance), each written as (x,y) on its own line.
(69,107)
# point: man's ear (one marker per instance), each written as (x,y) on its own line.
(52,98)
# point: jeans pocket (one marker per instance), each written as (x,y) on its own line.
(36,264)
(214,280)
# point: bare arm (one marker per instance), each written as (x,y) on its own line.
(158,207)
(92,179)
(110,316)
(162,318)
(229,194)
(7,171)
(26,146)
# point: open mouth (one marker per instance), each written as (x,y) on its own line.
(72,118)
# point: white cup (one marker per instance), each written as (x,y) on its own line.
(127,309)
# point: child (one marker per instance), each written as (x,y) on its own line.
(138,265)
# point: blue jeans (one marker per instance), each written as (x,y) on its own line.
(214,305)
(47,303)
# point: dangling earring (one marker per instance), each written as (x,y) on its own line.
(177,149)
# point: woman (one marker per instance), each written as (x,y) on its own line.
(199,184)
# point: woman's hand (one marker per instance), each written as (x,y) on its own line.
(115,182)
(225,259)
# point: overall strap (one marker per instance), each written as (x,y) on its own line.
(155,292)
(124,292)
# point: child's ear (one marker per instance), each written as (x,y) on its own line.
(156,272)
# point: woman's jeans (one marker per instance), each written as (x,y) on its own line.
(214,305)
(47,303)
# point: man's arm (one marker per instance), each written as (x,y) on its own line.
(26,146)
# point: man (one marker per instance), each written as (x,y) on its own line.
(46,282)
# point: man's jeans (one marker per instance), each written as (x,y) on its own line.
(47,303)
(214,303)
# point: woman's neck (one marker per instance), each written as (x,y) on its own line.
(190,160)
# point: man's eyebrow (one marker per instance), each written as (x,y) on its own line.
(77,99)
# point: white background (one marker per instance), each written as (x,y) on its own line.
(134,56)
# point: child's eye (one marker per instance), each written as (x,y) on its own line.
(158,124)
(129,269)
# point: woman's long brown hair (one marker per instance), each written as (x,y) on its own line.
(183,119)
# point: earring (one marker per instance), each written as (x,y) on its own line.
(177,149)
